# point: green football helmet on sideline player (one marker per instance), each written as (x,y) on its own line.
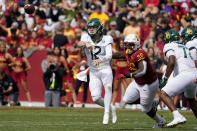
(94,27)
(171,36)
(188,34)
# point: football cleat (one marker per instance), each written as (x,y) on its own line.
(113,111)
(106,118)
(160,124)
(176,121)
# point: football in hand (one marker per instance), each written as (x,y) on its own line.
(29,8)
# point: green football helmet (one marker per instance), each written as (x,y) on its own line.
(171,36)
(94,23)
(188,34)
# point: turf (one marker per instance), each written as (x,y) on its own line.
(81,119)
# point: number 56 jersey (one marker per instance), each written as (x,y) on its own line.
(102,50)
(184,61)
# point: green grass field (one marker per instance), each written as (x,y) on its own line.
(85,119)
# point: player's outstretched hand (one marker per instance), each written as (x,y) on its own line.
(120,76)
(163,82)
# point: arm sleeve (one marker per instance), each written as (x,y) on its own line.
(108,55)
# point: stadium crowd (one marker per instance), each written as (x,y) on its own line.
(57,26)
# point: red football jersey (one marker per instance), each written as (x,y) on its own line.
(133,61)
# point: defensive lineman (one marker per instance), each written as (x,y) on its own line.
(145,84)
(99,54)
(179,59)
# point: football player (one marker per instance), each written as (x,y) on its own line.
(180,61)
(145,84)
(189,36)
(98,51)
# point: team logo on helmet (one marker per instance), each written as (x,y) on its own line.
(189,31)
(171,36)
(188,34)
(167,35)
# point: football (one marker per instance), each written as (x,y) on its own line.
(29,8)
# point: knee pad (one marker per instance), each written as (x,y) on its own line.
(95,98)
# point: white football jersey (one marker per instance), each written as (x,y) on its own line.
(102,51)
(184,61)
(192,46)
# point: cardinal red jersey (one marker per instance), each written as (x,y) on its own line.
(150,76)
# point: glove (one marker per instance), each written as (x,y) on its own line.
(120,76)
(163,82)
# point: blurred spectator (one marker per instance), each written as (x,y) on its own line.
(113,31)
(12,41)
(194,3)
(45,41)
(54,13)
(68,30)
(177,13)
(132,28)
(122,19)
(78,33)
(150,41)
(103,18)
(155,60)
(13,26)
(71,47)
(88,6)
(34,2)
(6,59)
(8,88)
(160,44)
(162,28)
(68,4)
(19,71)
(33,41)
(82,25)
(77,19)
(111,6)
(151,7)
(59,39)
(134,8)
(145,29)
(24,40)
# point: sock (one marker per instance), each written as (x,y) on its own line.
(107,98)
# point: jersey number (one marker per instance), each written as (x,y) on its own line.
(184,50)
(94,55)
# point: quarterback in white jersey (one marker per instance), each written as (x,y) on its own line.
(98,50)
(180,61)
